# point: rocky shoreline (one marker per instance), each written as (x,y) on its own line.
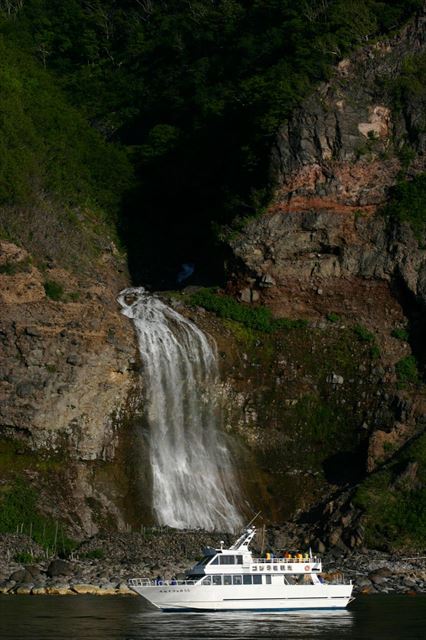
(103,565)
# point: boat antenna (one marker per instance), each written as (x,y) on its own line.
(253,519)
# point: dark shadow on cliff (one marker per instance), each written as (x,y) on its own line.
(345,467)
(415,312)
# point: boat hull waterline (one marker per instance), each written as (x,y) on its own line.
(285,598)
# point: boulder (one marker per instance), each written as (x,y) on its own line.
(59,568)
(20,576)
(86,589)
(60,590)
(24,589)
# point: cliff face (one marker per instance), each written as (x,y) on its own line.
(325,250)
(322,245)
(68,382)
(309,409)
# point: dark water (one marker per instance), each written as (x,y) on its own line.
(121,618)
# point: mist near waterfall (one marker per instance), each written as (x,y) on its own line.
(194,484)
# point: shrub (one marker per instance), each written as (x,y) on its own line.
(19,512)
(12,268)
(23,557)
(406,370)
(53,290)
(407,203)
(363,334)
(400,334)
(333,317)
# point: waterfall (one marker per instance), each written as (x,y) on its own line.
(193,480)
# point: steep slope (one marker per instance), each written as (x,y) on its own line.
(67,356)
(344,239)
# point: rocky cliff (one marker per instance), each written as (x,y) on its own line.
(315,410)
(326,248)
(68,382)
(322,242)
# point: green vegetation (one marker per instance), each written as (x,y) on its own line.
(259,318)
(47,145)
(400,334)
(54,290)
(406,370)
(24,557)
(394,500)
(12,268)
(407,86)
(19,514)
(94,554)
(333,317)
(316,418)
(363,334)
(194,90)
(408,204)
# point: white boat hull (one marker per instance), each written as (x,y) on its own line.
(245,598)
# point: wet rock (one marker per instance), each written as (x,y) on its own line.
(24,589)
(85,589)
(59,590)
(7,586)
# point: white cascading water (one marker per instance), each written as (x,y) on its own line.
(193,480)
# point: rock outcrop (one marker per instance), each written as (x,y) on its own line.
(322,244)
(325,249)
(67,385)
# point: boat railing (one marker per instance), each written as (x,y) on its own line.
(274,560)
(148,582)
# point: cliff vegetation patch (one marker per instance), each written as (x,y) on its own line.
(259,318)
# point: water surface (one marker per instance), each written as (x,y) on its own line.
(124,618)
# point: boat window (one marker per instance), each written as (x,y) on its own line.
(217,580)
(204,560)
(257,579)
(227,559)
(239,559)
(215,560)
(207,580)
(247,579)
(237,579)
(227,579)
(268,579)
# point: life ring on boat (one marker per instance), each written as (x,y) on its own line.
(307,567)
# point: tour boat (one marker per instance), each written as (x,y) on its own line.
(233,580)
